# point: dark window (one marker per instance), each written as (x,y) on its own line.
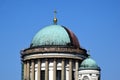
(99,78)
(58,76)
(73,76)
(42,74)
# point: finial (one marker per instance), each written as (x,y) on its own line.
(55,19)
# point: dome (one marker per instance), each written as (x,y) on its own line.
(55,35)
(88,64)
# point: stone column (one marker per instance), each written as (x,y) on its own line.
(28,70)
(63,70)
(76,70)
(54,69)
(25,67)
(46,70)
(39,70)
(70,69)
(33,70)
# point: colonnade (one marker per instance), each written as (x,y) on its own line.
(31,63)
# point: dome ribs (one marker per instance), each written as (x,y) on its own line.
(73,38)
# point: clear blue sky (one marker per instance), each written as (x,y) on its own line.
(96,23)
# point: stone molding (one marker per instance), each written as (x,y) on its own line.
(55,49)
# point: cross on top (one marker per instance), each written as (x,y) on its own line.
(55,12)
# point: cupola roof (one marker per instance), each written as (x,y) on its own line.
(55,35)
(89,64)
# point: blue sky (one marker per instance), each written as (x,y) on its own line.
(96,23)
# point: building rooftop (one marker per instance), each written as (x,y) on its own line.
(55,35)
(88,63)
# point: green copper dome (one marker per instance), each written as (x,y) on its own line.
(54,35)
(88,64)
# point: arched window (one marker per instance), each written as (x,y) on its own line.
(85,78)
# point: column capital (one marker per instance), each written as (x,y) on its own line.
(77,60)
(32,60)
(27,61)
(55,59)
(63,59)
(39,59)
(24,61)
(46,59)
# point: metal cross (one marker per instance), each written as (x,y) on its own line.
(55,12)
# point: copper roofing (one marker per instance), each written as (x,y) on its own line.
(55,35)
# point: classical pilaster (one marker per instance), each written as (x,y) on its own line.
(25,70)
(63,70)
(28,70)
(76,70)
(54,69)
(46,70)
(33,70)
(70,69)
(39,70)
